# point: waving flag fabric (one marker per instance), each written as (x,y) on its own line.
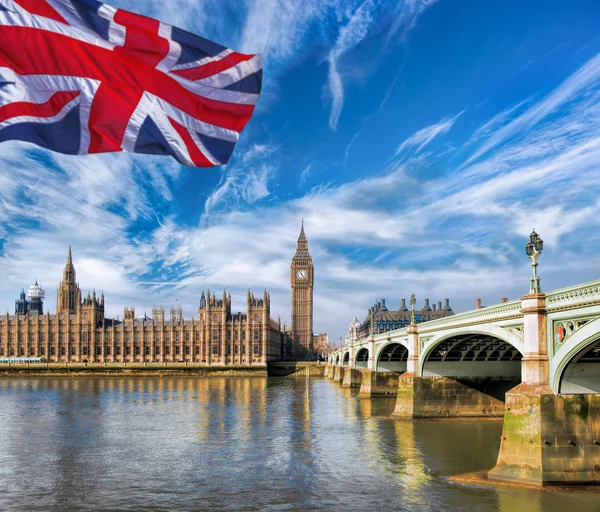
(79,77)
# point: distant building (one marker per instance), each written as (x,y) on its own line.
(385,319)
(322,345)
(79,331)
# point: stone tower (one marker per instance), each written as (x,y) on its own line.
(68,298)
(302,282)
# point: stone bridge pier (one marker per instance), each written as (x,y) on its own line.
(547,438)
(534,361)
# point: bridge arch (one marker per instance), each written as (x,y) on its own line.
(362,358)
(491,331)
(337,359)
(482,360)
(346,359)
(391,357)
(570,368)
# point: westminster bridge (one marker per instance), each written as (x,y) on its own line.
(535,361)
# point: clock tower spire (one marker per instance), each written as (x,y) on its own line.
(302,283)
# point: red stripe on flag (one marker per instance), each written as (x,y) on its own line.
(109,117)
(212,68)
(196,155)
(142,40)
(41,8)
(51,108)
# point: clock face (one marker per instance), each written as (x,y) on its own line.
(302,274)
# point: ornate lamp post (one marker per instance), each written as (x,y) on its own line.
(413,301)
(533,250)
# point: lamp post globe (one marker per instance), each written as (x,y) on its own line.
(533,249)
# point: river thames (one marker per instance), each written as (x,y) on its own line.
(240,443)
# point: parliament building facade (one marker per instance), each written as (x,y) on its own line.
(80,332)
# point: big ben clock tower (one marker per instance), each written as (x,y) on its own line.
(302,278)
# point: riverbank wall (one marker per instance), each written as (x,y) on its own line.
(143,369)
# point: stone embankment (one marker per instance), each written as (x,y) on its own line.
(143,369)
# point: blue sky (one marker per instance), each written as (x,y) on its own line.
(420,140)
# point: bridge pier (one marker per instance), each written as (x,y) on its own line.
(374,384)
(338,375)
(546,438)
(441,397)
(352,378)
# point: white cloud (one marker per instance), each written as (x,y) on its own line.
(349,37)
(305,174)
(423,137)
(583,78)
(406,16)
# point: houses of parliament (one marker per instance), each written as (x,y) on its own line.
(80,332)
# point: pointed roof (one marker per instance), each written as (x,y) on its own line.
(302,237)
(70,258)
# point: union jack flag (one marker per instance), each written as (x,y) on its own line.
(79,77)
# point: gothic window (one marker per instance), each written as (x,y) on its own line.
(62,351)
(72,351)
(243,335)
(157,351)
(31,351)
(216,318)
(52,351)
(228,349)
(177,350)
(127,350)
(197,336)
(177,336)
(187,335)
(236,349)
(256,349)
(167,337)
(117,337)
(167,350)
(84,351)
(138,336)
(255,317)
(215,349)
(98,351)
(12,351)
(42,351)
(256,333)
(137,350)
(117,350)
(216,335)
(187,350)
(197,350)
(106,351)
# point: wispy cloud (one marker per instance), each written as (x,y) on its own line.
(418,140)
(405,18)
(584,77)
(349,37)
(305,174)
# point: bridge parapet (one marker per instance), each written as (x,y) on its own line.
(575,296)
(502,311)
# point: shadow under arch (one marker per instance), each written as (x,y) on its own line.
(346,359)
(392,357)
(337,360)
(480,360)
(362,358)
(575,367)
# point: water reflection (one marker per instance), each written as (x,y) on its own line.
(184,443)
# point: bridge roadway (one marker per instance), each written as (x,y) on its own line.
(535,361)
